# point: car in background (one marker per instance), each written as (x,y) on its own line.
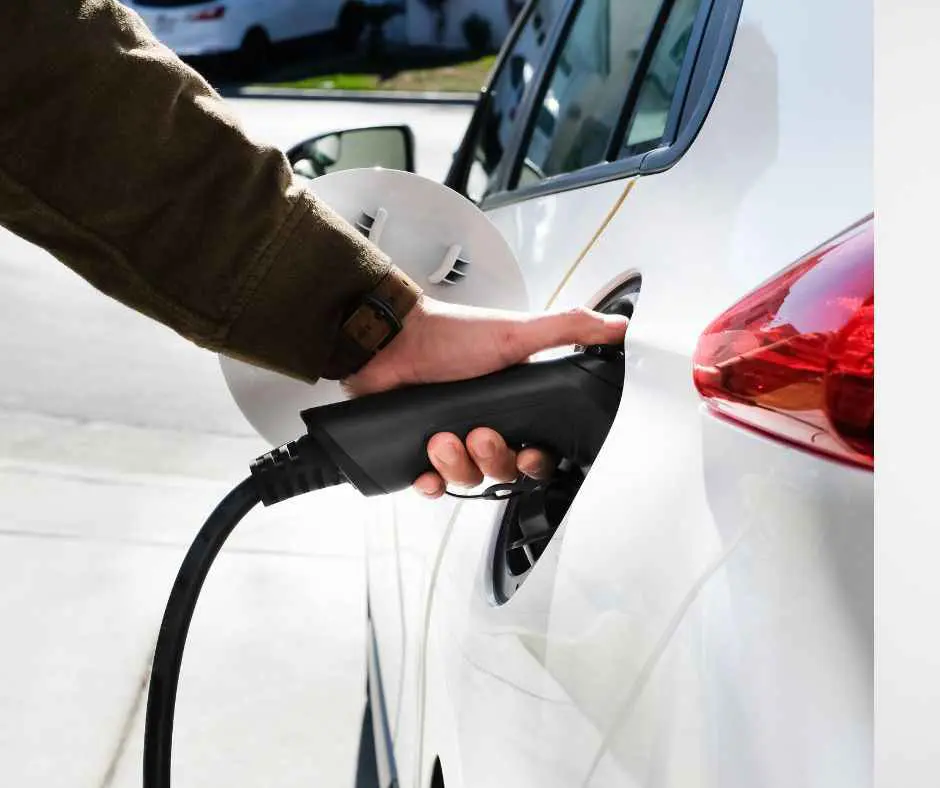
(247,28)
(695,607)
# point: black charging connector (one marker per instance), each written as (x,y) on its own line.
(377,444)
(295,468)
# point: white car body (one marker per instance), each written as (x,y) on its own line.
(197,28)
(703,616)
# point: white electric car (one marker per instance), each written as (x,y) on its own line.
(694,609)
(193,28)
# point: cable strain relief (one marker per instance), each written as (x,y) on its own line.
(293,469)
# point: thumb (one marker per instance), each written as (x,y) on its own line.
(577,326)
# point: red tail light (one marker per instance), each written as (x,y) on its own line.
(208,14)
(796,357)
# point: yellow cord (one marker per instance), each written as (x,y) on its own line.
(584,252)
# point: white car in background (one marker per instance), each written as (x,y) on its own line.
(698,610)
(195,28)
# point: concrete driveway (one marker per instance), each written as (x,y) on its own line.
(116,439)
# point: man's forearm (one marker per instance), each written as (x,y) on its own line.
(123,163)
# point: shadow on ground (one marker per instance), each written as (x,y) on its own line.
(323,62)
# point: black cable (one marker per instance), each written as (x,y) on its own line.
(292,469)
(164,677)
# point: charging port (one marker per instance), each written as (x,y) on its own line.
(528,524)
(530,521)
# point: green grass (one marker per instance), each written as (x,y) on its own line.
(467,76)
(335,82)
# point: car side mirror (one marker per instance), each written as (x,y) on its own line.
(389,147)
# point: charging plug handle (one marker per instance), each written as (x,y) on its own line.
(565,406)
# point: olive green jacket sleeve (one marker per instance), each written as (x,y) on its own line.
(123,163)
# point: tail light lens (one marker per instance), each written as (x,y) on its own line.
(208,14)
(796,358)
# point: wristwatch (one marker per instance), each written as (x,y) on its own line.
(371,323)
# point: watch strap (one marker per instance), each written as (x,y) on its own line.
(373,322)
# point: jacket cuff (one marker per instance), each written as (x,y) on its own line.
(308,287)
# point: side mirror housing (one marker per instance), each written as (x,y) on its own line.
(389,147)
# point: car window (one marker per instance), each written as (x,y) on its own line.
(583,100)
(507,93)
(651,114)
(582,104)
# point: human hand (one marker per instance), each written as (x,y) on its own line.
(441,342)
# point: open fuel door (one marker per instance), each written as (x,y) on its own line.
(438,237)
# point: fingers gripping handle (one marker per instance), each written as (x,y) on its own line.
(565,406)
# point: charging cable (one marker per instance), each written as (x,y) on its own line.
(292,469)
(377,444)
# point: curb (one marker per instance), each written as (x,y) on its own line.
(367,96)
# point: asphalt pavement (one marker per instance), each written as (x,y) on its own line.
(116,439)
